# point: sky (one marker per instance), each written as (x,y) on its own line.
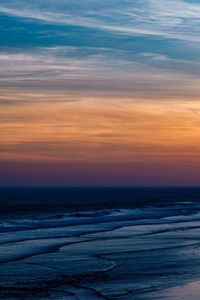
(99,93)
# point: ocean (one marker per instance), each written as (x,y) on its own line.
(99,243)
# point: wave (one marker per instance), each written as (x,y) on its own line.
(99,254)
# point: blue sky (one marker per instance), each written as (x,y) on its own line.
(92,40)
(105,90)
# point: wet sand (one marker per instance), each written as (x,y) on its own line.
(190,291)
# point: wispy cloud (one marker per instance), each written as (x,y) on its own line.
(121,69)
(47,69)
(148,75)
(167,19)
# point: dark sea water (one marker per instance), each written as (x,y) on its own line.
(92,243)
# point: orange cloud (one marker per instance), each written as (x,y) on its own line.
(67,129)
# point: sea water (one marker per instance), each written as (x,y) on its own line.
(98,243)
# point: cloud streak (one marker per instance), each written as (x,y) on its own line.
(148,75)
(107,131)
(167,19)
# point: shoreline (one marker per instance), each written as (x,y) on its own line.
(186,291)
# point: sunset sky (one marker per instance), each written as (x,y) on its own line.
(99,93)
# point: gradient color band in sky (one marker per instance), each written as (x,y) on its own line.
(99,92)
